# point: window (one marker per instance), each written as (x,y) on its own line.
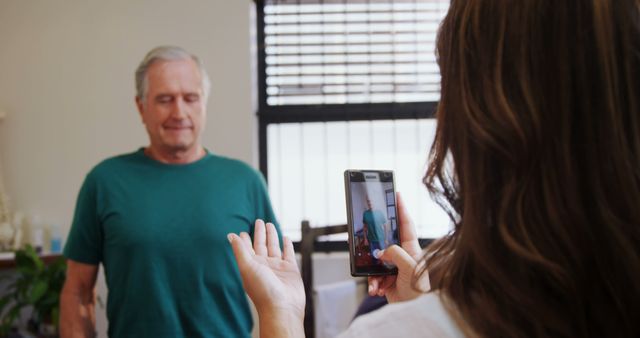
(346,84)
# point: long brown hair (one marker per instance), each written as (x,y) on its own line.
(537,160)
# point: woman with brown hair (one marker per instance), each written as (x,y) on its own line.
(537,161)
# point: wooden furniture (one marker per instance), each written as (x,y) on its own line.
(309,236)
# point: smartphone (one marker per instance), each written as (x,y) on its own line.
(371,219)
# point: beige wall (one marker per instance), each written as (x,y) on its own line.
(66,84)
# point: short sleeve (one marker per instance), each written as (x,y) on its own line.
(84,243)
(262,203)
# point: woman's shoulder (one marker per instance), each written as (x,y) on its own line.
(424,316)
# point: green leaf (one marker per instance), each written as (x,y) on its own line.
(10,318)
(3,302)
(28,262)
(50,299)
(55,317)
(40,287)
(35,284)
(4,328)
(13,312)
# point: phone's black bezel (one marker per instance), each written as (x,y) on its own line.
(378,270)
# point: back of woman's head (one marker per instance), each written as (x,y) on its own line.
(537,158)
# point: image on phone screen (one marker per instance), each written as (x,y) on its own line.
(372,219)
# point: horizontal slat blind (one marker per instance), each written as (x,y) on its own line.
(337,52)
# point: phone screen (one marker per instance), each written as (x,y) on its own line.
(372,219)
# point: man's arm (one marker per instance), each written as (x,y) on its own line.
(77,301)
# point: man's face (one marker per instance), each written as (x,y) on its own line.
(174,109)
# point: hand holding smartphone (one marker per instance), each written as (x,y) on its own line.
(372,220)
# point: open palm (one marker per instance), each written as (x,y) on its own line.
(270,276)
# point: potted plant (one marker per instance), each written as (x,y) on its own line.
(37,285)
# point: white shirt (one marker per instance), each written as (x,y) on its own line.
(424,316)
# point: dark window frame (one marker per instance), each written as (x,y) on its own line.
(321,113)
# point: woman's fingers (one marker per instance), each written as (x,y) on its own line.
(386,284)
(379,285)
(246,241)
(241,251)
(265,240)
(273,244)
(408,235)
(289,255)
(260,238)
(373,285)
(399,257)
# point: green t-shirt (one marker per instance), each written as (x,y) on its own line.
(375,220)
(160,230)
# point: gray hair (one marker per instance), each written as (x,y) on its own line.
(167,53)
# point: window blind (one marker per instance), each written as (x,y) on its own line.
(351,52)
(346,84)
